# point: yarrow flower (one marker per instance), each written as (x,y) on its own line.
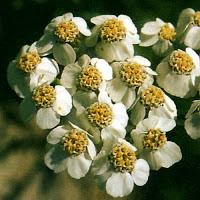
(159,35)
(117,165)
(72,149)
(113,37)
(131,76)
(152,101)
(177,73)
(188,28)
(192,122)
(87,74)
(29,70)
(150,138)
(49,103)
(61,36)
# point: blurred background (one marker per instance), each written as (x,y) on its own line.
(23,175)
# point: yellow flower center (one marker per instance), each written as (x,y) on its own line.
(132,74)
(181,62)
(152,97)
(154,139)
(44,96)
(196,18)
(75,142)
(167,33)
(29,61)
(100,114)
(112,30)
(90,78)
(67,32)
(122,158)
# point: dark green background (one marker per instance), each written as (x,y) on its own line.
(23,21)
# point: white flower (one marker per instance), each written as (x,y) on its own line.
(177,73)
(192,122)
(100,116)
(152,101)
(119,168)
(61,35)
(29,70)
(130,77)
(188,28)
(48,103)
(150,139)
(87,74)
(113,37)
(72,150)
(159,35)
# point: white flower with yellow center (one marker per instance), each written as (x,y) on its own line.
(49,103)
(130,77)
(119,168)
(100,116)
(188,28)
(72,150)
(192,122)
(30,70)
(113,37)
(177,73)
(152,101)
(87,74)
(159,35)
(150,138)
(61,35)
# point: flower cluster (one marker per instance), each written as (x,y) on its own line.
(108,108)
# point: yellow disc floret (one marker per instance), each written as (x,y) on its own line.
(75,142)
(67,32)
(181,62)
(132,73)
(29,61)
(122,158)
(90,78)
(44,96)
(100,114)
(196,18)
(152,97)
(112,30)
(167,32)
(154,139)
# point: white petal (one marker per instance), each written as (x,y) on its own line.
(119,184)
(47,118)
(63,102)
(128,23)
(141,60)
(69,75)
(78,166)
(141,172)
(165,124)
(56,159)
(192,126)
(98,20)
(148,40)
(56,134)
(138,138)
(151,28)
(104,98)
(162,47)
(82,25)
(171,153)
(116,51)
(67,16)
(114,129)
(194,55)
(129,98)
(132,38)
(116,89)
(91,149)
(104,68)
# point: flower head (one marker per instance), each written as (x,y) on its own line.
(72,150)
(177,73)
(113,37)
(159,35)
(150,138)
(118,166)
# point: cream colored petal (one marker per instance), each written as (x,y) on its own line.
(194,55)
(119,184)
(141,60)
(129,98)
(82,25)
(98,20)
(150,28)
(148,40)
(128,23)
(91,149)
